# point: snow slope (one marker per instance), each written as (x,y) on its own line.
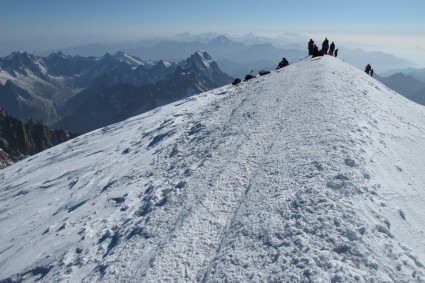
(312,173)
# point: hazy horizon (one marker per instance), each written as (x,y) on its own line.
(393,27)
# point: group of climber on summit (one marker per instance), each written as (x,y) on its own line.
(314,51)
(326,49)
(330,50)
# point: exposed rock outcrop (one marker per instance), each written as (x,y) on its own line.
(19,139)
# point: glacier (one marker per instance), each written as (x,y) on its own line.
(313,173)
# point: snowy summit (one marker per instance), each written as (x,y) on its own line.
(313,173)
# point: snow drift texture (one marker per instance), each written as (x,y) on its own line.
(314,172)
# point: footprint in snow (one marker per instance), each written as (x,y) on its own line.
(350,162)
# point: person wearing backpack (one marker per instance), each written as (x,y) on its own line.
(332,49)
(310,47)
(367,69)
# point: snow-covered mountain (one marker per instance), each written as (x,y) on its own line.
(52,88)
(313,173)
(235,58)
(116,96)
(49,81)
(202,63)
(24,104)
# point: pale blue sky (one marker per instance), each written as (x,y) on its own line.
(47,24)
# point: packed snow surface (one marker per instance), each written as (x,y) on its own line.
(313,173)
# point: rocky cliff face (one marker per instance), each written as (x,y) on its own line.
(19,139)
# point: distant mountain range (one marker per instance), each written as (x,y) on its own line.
(84,93)
(416,73)
(237,56)
(96,107)
(19,139)
(406,85)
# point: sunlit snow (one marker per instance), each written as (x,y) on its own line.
(312,173)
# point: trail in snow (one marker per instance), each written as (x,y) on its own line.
(314,172)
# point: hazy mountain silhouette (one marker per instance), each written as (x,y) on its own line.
(406,85)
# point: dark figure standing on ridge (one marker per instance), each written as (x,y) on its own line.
(332,49)
(336,53)
(371,72)
(310,47)
(282,63)
(367,69)
(325,46)
(316,51)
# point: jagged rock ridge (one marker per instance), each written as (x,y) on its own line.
(19,139)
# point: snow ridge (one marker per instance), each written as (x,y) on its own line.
(312,173)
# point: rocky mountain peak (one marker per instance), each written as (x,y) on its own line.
(58,54)
(22,62)
(200,60)
(202,63)
(19,55)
